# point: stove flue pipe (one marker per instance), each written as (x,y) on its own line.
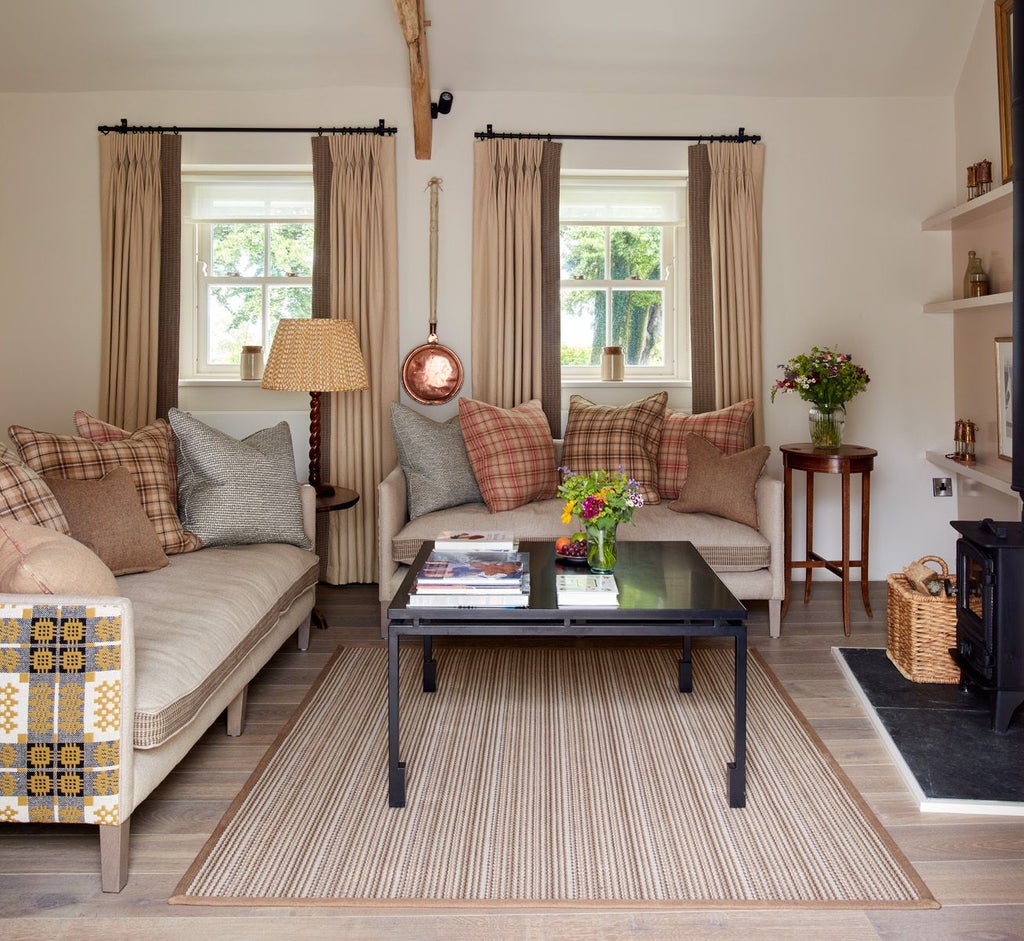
(1017,123)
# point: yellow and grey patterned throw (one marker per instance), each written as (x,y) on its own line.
(60,713)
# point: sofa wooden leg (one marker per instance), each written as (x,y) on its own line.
(114,856)
(236,712)
(304,634)
(775,618)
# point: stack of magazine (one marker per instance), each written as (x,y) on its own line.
(498,578)
(586,590)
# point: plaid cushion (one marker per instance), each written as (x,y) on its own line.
(25,496)
(607,437)
(93,429)
(510,451)
(146,454)
(728,429)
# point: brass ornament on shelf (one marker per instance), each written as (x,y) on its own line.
(979,179)
(965,433)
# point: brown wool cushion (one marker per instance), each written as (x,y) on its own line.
(146,453)
(729,429)
(721,484)
(607,437)
(37,560)
(511,452)
(24,495)
(107,516)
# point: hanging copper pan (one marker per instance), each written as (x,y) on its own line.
(432,373)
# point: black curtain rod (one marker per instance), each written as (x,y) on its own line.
(124,128)
(741,138)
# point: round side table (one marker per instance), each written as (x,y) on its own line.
(341,499)
(846,460)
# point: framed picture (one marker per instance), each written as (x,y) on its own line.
(1004,397)
(1004,68)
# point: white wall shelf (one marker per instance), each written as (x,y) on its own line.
(969,303)
(978,208)
(995,476)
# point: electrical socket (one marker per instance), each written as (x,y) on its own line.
(942,487)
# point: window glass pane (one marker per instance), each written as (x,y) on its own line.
(582,251)
(583,327)
(636,252)
(293,302)
(291,250)
(638,326)
(234,319)
(238,249)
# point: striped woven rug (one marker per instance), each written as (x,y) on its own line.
(549,776)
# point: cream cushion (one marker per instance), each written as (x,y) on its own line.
(36,559)
(205,608)
(728,546)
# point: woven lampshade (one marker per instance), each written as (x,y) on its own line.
(318,355)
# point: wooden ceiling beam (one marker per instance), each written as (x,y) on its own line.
(414,29)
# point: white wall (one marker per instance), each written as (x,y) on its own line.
(847,185)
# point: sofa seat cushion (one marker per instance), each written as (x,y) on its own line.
(727,546)
(197,619)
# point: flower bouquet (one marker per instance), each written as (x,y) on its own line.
(828,380)
(600,500)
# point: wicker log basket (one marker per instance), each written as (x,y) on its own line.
(922,627)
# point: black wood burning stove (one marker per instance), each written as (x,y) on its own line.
(990,613)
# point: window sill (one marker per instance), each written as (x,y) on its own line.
(212,383)
(647,383)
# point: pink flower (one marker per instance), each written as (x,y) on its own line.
(592,506)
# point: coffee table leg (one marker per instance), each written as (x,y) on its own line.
(686,667)
(396,768)
(737,769)
(429,665)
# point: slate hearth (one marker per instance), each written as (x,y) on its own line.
(943,735)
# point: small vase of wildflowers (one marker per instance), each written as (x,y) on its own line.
(828,380)
(600,500)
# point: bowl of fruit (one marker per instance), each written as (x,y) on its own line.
(572,549)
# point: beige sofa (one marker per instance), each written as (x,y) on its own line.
(750,561)
(163,660)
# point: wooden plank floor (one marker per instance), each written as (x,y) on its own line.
(49,881)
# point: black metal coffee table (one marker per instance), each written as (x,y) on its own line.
(665,589)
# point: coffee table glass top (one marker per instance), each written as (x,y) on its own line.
(656,579)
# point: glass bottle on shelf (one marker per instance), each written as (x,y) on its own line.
(974,268)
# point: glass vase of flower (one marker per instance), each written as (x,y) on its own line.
(828,380)
(600,500)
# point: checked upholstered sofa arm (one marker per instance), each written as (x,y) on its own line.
(66,710)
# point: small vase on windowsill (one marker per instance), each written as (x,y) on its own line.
(827,427)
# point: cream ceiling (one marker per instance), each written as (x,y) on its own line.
(725,47)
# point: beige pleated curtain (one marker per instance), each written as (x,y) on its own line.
(726,186)
(516,343)
(355,277)
(140,231)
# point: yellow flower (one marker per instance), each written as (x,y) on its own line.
(570,505)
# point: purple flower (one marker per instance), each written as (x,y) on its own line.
(592,506)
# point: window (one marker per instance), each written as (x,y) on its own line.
(251,238)
(623,273)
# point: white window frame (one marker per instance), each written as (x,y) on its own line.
(674,270)
(196,256)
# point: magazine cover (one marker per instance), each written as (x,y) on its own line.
(473,568)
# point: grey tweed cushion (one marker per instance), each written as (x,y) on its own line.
(434,460)
(233,492)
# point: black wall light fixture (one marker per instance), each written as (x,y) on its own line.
(443,104)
